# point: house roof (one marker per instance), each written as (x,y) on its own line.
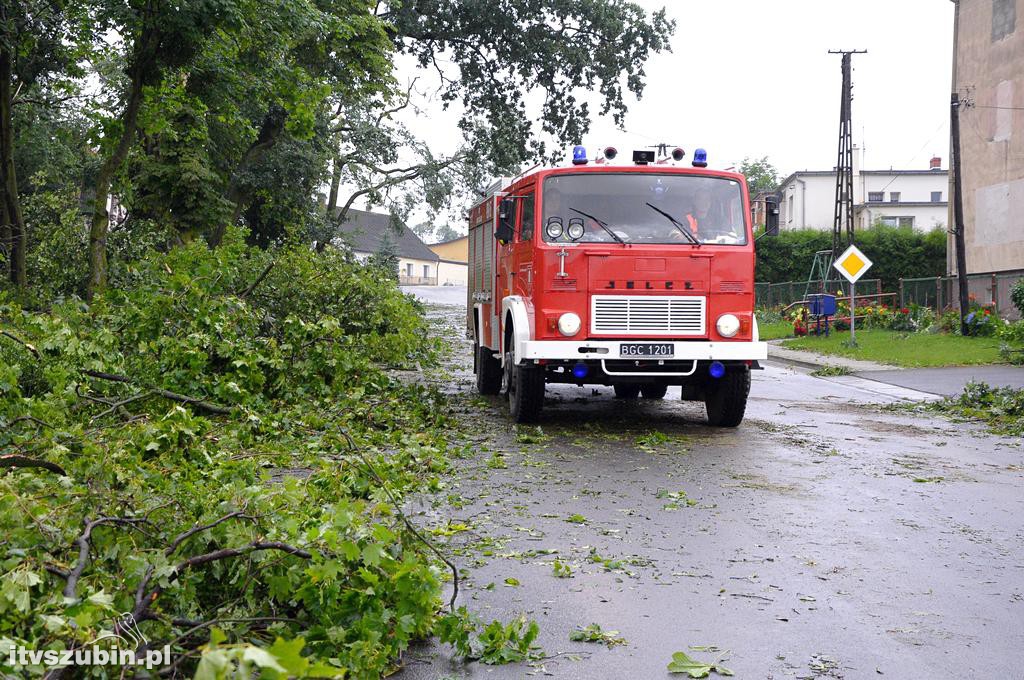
(365,231)
(823,173)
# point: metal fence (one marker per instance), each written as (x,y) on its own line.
(941,292)
(786,293)
(938,292)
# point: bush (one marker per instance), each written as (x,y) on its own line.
(1011,347)
(1017,296)
(1002,408)
(896,253)
(231,457)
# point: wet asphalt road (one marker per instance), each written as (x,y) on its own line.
(826,537)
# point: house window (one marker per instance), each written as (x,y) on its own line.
(408,269)
(789,208)
(876,196)
(889,221)
(894,197)
(936,197)
(907,222)
(1004,18)
(426,271)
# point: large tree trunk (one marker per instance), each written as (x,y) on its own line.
(14,231)
(100,224)
(270,132)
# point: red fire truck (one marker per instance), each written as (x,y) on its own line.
(638,276)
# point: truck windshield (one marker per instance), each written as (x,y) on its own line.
(687,209)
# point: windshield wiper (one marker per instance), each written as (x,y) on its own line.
(676,223)
(601,224)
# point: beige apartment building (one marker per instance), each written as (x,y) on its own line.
(988,75)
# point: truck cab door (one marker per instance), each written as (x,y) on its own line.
(522,247)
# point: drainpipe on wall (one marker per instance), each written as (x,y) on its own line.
(803,203)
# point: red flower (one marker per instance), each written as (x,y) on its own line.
(987,312)
(905,311)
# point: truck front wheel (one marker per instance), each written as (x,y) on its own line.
(653,391)
(525,388)
(626,390)
(488,372)
(726,397)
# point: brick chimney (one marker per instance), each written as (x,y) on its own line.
(935,163)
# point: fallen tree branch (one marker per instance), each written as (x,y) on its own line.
(166,394)
(31,419)
(405,520)
(26,345)
(71,587)
(15,460)
(259,280)
(118,404)
(143,600)
(185,535)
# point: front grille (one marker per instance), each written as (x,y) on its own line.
(647,315)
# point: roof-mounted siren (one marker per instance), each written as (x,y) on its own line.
(610,152)
(700,158)
(678,154)
(579,155)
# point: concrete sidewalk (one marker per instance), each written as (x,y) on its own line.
(813,360)
(951,380)
(943,382)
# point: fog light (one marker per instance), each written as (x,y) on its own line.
(580,370)
(569,324)
(728,325)
(716,369)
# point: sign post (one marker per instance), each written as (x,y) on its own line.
(852,264)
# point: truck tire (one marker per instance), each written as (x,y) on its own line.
(726,398)
(653,391)
(626,390)
(525,388)
(488,371)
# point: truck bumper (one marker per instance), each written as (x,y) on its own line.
(609,349)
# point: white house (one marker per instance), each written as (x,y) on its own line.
(900,198)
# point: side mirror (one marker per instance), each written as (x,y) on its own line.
(771,216)
(506,221)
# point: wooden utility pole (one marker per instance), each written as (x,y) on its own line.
(958,211)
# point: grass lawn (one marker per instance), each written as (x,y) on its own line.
(775,330)
(913,350)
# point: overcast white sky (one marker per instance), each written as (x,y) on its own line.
(754,78)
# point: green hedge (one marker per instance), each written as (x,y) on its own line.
(896,253)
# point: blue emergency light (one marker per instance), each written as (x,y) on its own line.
(700,158)
(580,370)
(579,155)
(716,369)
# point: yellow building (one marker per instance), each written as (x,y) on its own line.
(453,267)
(455,250)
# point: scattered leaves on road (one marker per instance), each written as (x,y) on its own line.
(681,663)
(594,633)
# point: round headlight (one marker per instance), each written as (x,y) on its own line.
(576,231)
(728,325)
(569,324)
(553,230)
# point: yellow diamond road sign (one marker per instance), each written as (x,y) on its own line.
(852,264)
